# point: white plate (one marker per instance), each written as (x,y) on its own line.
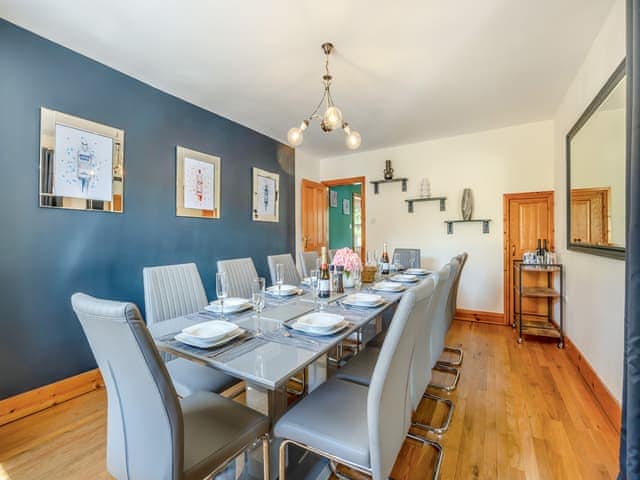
(388,287)
(301,327)
(363,300)
(284,290)
(417,271)
(194,342)
(320,320)
(401,277)
(231,305)
(210,331)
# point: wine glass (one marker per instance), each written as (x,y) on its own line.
(357,277)
(279,277)
(257,299)
(221,290)
(315,286)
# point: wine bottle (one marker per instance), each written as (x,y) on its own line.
(324,288)
(384,269)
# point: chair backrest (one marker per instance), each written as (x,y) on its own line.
(172,291)
(290,273)
(421,362)
(145,434)
(308,262)
(407,257)
(240,275)
(331,253)
(452,304)
(440,320)
(388,404)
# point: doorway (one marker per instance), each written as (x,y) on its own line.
(527,218)
(347,214)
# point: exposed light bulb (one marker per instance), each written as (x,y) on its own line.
(332,118)
(353,140)
(295,136)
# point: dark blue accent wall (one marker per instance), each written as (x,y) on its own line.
(47,254)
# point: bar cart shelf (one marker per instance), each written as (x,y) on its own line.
(536,324)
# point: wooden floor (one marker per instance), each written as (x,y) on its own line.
(521,412)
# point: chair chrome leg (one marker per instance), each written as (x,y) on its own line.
(455,363)
(452,386)
(266,471)
(447,421)
(437,446)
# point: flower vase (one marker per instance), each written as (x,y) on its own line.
(348,280)
(467,204)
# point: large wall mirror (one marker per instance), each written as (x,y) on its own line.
(596,158)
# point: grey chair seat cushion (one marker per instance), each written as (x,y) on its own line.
(215,428)
(332,419)
(189,377)
(360,368)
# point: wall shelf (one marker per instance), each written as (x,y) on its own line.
(411,201)
(484,221)
(393,180)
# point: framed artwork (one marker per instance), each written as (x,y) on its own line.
(266,192)
(81,163)
(333,199)
(346,206)
(197,184)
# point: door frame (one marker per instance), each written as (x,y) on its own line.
(363,193)
(506,220)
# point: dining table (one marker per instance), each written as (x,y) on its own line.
(270,352)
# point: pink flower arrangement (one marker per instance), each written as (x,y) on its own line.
(349,259)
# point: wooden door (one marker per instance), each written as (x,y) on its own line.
(314,216)
(527,217)
(590,216)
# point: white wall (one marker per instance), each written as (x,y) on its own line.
(514,159)
(594,285)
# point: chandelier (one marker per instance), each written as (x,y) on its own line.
(332,118)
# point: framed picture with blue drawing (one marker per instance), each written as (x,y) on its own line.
(266,192)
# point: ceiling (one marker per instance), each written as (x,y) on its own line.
(404,71)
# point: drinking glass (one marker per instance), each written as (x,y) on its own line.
(279,277)
(257,299)
(357,278)
(221,290)
(315,287)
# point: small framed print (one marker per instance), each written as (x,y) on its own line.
(266,192)
(197,184)
(346,206)
(333,199)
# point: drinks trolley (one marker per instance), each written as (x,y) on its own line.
(544,325)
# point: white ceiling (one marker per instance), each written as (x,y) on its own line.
(404,71)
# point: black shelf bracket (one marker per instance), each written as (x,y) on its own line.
(484,221)
(376,184)
(411,201)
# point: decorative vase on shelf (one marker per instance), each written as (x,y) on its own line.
(467,204)
(388,171)
(425,188)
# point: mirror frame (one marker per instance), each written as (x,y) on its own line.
(612,82)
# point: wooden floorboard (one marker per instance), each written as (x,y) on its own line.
(521,412)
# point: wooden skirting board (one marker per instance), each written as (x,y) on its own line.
(607,401)
(479,316)
(33,401)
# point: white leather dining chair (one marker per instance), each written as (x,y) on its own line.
(240,275)
(172,291)
(151,433)
(308,262)
(290,274)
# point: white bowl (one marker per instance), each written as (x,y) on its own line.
(210,331)
(366,299)
(231,305)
